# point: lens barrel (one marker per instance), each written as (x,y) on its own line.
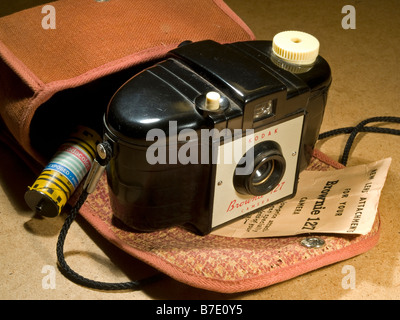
(268,167)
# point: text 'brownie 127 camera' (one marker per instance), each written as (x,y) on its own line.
(214,132)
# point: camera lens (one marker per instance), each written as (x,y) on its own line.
(263,172)
(267,167)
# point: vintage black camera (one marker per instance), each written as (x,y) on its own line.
(214,131)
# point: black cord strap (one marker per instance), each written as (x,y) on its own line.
(77,278)
(361,127)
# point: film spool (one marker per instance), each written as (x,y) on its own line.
(63,174)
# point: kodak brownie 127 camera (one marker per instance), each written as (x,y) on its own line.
(214,131)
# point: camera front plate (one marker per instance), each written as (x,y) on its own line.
(228,204)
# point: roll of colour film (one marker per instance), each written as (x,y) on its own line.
(63,174)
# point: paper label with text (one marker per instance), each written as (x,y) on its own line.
(341,201)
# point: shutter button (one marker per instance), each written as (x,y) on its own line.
(212,100)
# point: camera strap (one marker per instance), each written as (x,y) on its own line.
(361,127)
(104,155)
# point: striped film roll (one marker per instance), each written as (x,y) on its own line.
(63,174)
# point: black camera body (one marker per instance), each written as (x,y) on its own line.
(211,133)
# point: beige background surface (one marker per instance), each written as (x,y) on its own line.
(365,66)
